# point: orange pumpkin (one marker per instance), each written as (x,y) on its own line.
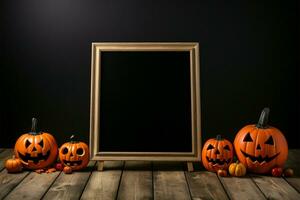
(74,154)
(217,153)
(13,165)
(261,147)
(36,150)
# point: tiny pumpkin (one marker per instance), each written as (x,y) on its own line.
(35,149)
(222,172)
(261,147)
(237,169)
(74,154)
(217,153)
(13,165)
(67,170)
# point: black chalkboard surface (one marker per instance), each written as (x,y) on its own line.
(144,105)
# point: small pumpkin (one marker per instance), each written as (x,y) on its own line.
(35,149)
(67,170)
(261,147)
(74,154)
(217,153)
(222,172)
(13,165)
(237,169)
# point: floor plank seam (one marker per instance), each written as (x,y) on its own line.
(87,180)
(51,185)
(187,182)
(117,194)
(16,185)
(224,187)
(251,177)
(291,185)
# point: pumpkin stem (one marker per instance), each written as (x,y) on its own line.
(72,139)
(33,126)
(13,157)
(263,119)
(219,137)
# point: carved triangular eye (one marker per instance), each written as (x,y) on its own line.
(41,143)
(270,141)
(248,138)
(210,147)
(227,148)
(27,143)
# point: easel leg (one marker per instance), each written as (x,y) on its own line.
(190,166)
(100,165)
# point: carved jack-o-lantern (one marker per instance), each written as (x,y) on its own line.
(36,149)
(74,154)
(261,147)
(217,153)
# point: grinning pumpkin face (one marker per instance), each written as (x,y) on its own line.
(74,154)
(217,154)
(261,147)
(36,150)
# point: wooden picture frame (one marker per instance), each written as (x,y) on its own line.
(95,134)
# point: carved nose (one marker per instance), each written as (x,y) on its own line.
(34,149)
(258,147)
(217,152)
(71,154)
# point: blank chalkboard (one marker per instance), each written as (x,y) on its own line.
(144,101)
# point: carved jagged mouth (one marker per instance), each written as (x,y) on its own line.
(259,158)
(40,157)
(218,161)
(72,163)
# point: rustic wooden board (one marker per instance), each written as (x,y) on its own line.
(34,186)
(9,181)
(4,155)
(70,186)
(294,163)
(241,188)
(136,181)
(170,182)
(104,184)
(275,188)
(205,185)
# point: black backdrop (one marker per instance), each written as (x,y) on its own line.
(249,59)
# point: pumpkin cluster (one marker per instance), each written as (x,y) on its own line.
(259,148)
(39,150)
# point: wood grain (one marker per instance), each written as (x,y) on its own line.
(9,181)
(241,188)
(276,188)
(294,163)
(104,184)
(205,185)
(34,186)
(70,186)
(169,182)
(136,181)
(4,155)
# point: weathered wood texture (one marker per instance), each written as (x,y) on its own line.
(104,184)
(170,182)
(205,185)
(9,181)
(34,186)
(136,181)
(276,188)
(241,188)
(70,186)
(294,163)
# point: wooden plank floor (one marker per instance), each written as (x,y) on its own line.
(146,180)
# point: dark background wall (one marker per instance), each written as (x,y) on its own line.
(249,60)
